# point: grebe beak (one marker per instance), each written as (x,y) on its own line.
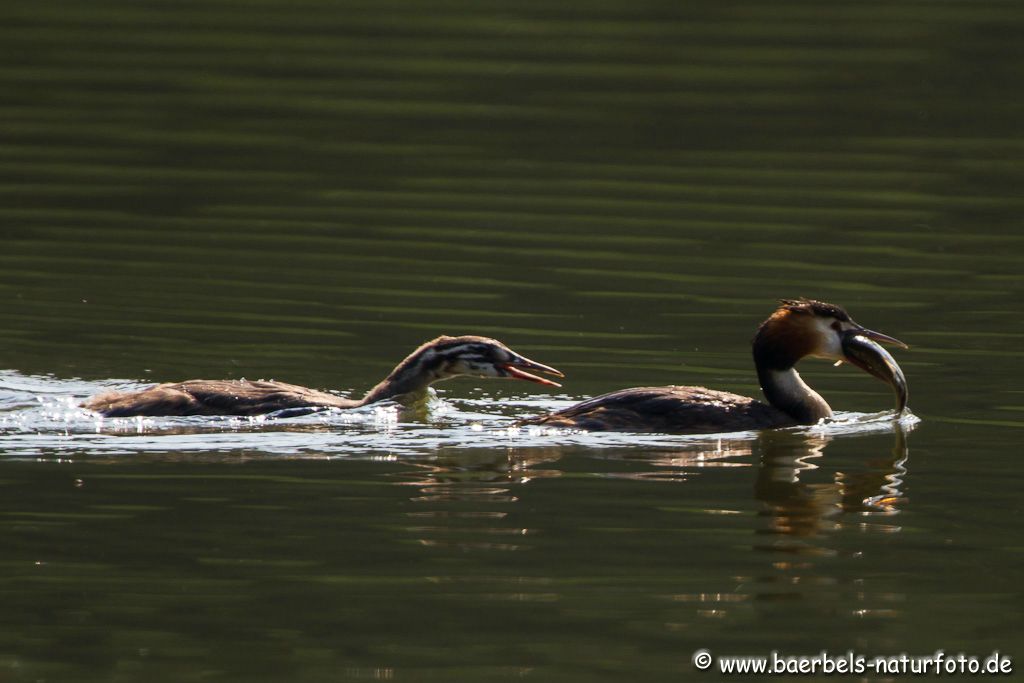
(518,366)
(860,349)
(879,337)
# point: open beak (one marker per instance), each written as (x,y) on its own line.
(860,349)
(517,369)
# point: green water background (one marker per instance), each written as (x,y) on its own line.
(308,190)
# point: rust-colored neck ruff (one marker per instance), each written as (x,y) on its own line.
(781,341)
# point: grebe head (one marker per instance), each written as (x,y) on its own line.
(484,357)
(805,327)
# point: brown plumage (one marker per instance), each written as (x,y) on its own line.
(796,329)
(436,360)
(673,409)
(214,397)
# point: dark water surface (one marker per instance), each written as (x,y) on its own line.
(308,190)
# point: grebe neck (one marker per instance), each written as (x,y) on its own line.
(787,391)
(778,346)
(409,381)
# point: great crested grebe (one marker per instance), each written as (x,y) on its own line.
(440,359)
(798,328)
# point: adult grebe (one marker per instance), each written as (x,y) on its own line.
(440,359)
(796,329)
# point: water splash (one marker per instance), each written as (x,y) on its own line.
(40,416)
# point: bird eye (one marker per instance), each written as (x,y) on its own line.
(837,326)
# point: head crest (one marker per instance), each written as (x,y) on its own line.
(819,308)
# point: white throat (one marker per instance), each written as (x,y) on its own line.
(787,391)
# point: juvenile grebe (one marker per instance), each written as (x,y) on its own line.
(440,359)
(797,328)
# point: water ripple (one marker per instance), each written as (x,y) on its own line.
(41,419)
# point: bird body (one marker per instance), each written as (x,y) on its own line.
(215,397)
(434,361)
(672,409)
(797,329)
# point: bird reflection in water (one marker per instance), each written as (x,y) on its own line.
(802,528)
(804,509)
(798,509)
(803,524)
(478,476)
(463,483)
(684,463)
